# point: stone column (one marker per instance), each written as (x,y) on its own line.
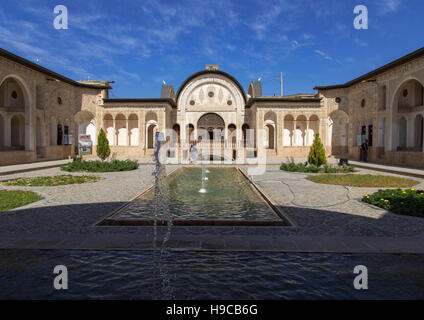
(128,131)
(30,120)
(141,129)
(307,133)
(7,131)
(279,132)
(294,142)
(115,134)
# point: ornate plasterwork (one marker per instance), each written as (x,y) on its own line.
(210,92)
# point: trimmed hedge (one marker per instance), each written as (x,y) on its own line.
(291,166)
(406,202)
(100,166)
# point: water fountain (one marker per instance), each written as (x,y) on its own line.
(204,178)
(162,213)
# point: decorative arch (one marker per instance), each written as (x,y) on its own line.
(407,103)
(109,128)
(300,130)
(17,121)
(133,130)
(288,131)
(209,90)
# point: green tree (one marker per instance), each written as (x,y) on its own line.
(317,152)
(103,150)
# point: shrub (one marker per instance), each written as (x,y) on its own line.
(102,149)
(317,152)
(406,202)
(101,166)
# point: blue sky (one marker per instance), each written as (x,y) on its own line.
(140,43)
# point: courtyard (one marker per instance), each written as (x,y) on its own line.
(322,218)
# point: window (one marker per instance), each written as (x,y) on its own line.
(192,102)
(363,103)
(14,95)
(59,134)
(229,102)
(59,100)
(370,134)
(405,93)
(210,94)
(338,100)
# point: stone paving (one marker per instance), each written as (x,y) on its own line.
(323,215)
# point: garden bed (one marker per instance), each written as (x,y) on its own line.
(13,199)
(50,181)
(406,202)
(291,166)
(79,165)
(364,180)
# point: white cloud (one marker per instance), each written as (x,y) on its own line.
(323,55)
(388,6)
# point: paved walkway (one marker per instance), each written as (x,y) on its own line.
(17,168)
(413,172)
(326,219)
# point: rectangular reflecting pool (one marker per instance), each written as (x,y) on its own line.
(28,274)
(230,200)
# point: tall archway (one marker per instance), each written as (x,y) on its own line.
(177,132)
(15,98)
(269,136)
(403,133)
(300,131)
(209,125)
(121,130)
(232,134)
(245,131)
(109,129)
(133,130)
(18,131)
(313,128)
(419,133)
(151,133)
(190,132)
(288,131)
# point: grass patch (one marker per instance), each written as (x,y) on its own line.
(13,199)
(406,202)
(291,166)
(50,181)
(79,165)
(364,180)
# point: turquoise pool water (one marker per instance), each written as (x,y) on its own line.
(208,275)
(229,196)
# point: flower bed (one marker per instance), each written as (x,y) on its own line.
(364,180)
(50,181)
(406,202)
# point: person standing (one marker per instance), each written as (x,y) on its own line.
(193,152)
(364,149)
